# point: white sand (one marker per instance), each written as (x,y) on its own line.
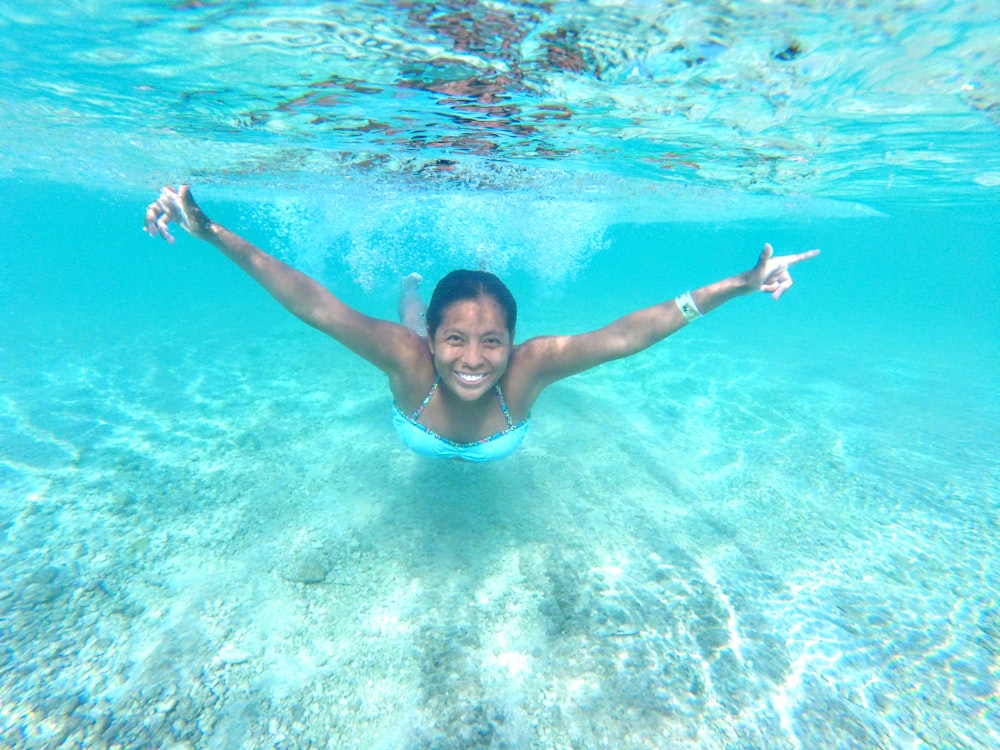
(687,552)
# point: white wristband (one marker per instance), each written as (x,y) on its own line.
(685,303)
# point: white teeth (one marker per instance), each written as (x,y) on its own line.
(469,378)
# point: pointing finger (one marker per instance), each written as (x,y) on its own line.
(799,257)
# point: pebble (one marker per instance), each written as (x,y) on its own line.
(232,655)
(69,705)
(308,569)
(44,574)
(166,706)
(40,593)
(101,722)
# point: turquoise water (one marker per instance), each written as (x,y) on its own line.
(777,529)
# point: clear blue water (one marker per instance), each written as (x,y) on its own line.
(777,529)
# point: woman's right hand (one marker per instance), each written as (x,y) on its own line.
(178,206)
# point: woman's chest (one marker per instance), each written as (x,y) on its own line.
(465,422)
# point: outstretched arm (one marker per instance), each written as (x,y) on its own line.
(554,357)
(383,343)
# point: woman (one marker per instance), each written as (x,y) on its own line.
(462,389)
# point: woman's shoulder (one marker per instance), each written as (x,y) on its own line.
(533,354)
(415,377)
(524,378)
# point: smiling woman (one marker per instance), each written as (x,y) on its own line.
(467,387)
(470,334)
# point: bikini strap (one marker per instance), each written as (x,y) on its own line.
(427,400)
(503,406)
(437,381)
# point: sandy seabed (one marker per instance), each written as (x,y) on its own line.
(217,544)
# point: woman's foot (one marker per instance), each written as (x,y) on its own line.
(411,307)
(411,282)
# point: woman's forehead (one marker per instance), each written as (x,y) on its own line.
(482,312)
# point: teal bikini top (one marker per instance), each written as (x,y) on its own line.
(420,439)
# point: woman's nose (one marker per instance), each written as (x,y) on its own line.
(473,355)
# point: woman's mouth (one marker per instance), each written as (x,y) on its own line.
(472,378)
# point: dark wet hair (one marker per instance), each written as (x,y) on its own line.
(462,285)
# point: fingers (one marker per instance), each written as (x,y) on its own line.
(158,219)
(799,257)
(765,254)
(163,229)
(162,211)
(787,260)
(777,272)
(777,281)
(153,212)
(778,287)
(150,223)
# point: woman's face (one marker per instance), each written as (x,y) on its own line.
(471,347)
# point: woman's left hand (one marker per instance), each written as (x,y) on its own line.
(771,272)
